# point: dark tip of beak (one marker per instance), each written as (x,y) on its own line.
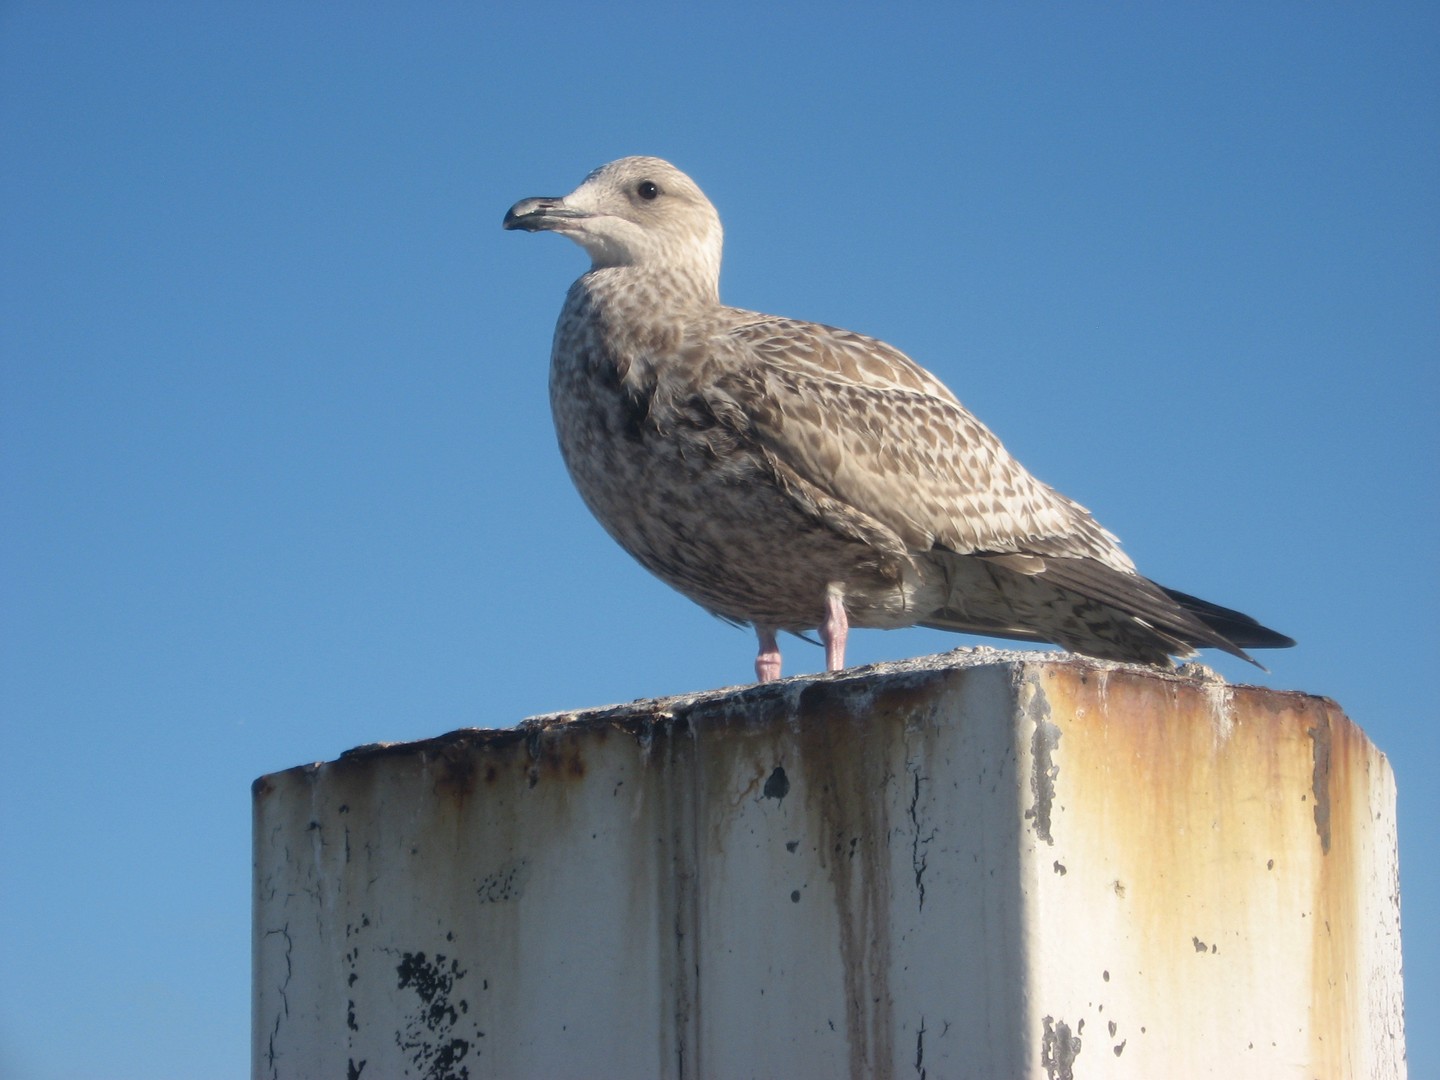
(536,215)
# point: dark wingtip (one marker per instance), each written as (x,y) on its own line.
(1235,626)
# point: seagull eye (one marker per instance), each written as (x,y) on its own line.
(647,190)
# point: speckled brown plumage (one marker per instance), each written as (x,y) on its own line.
(795,476)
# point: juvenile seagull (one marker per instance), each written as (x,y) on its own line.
(794,476)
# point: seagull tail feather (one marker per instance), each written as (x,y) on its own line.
(1234,626)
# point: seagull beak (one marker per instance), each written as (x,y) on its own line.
(538,215)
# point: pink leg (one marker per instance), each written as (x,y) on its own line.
(834,630)
(767,664)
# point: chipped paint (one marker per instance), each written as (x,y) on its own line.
(1059,1049)
(1044,741)
(1258,855)
(980,864)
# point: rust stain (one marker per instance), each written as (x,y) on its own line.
(846,771)
(456,766)
(1320,779)
(1191,799)
(556,756)
(671,769)
(1136,744)
(1341,816)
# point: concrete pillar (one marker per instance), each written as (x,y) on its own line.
(983,864)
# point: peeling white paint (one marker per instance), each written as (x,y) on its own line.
(1222,707)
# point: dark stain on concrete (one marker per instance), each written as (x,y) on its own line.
(507,883)
(1320,737)
(848,787)
(777,785)
(846,780)
(428,1035)
(1058,1049)
(1044,741)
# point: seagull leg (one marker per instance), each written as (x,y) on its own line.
(767,664)
(834,630)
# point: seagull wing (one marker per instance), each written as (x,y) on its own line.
(867,426)
(865,435)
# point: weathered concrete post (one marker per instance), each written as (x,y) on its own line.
(980,865)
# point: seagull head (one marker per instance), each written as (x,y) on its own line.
(637,211)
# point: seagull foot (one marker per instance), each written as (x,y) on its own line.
(767,664)
(834,630)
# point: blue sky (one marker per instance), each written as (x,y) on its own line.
(277,475)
